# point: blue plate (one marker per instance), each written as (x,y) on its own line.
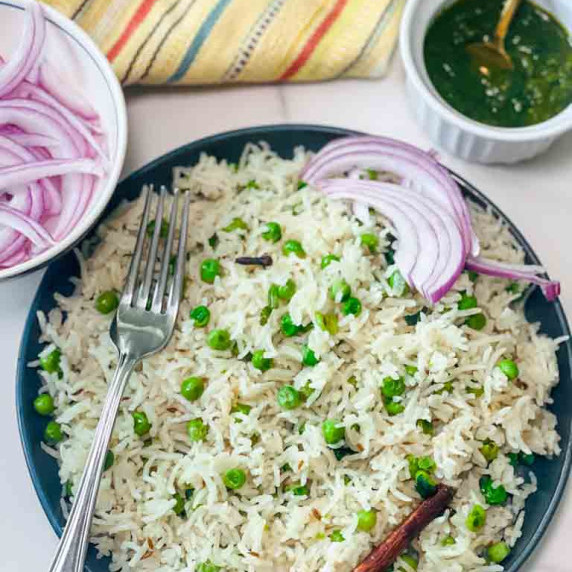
(552,475)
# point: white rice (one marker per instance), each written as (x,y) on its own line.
(261,527)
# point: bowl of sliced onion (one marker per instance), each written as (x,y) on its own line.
(63,135)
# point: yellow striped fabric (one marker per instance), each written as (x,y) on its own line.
(226,41)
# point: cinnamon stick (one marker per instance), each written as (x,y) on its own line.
(383,556)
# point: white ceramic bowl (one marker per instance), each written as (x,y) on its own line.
(451,130)
(70,45)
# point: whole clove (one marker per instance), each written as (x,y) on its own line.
(264,260)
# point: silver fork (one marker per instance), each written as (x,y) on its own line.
(143,325)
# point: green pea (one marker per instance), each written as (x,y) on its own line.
(411,561)
(476,518)
(179,506)
(288,397)
(298,490)
(367,519)
(44,404)
(210,269)
(328,259)
(372,174)
(286,291)
(201,316)
(340,291)
(370,241)
(509,368)
(476,321)
(420,463)
(332,432)
(393,407)
(294,247)
(308,356)
(426,426)
(288,327)
(219,340)
(337,536)
(327,322)
(252,184)
(208,566)
(302,184)
(411,370)
(393,387)
(490,450)
(109,460)
(351,306)
(448,541)
(260,362)
(513,288)
(273,232)
(397,284)
(265,315)
(498,552)
(192,388)
(163,233)
(427,463)
(107,302)
(141,424)
(473,276)
(242,408)
(197,430)
(234,479)
(467,302)
(493,495)
(51,362)
(236,224)
(425,485)
(53,433)
(68,489)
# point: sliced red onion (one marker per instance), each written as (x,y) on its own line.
(29,172)
(25,225)
(28,52)
(21,255)
(550,288)
(42,96)
(414,166)
(49,138)
(30,139)
(439,254)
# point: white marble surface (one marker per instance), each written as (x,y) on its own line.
(536,195)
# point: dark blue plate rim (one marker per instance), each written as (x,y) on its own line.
(252,132)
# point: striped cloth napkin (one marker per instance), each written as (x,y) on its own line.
(226,41)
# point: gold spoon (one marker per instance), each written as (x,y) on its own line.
(493,54)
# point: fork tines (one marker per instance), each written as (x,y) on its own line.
(145,287)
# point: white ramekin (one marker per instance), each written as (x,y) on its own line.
(449,129)
(77,56)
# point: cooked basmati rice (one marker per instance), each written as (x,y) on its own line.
(262,526)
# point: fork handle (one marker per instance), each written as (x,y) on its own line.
(71,551)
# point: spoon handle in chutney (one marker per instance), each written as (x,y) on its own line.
(508,11)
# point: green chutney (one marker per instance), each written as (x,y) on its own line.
(539,86)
